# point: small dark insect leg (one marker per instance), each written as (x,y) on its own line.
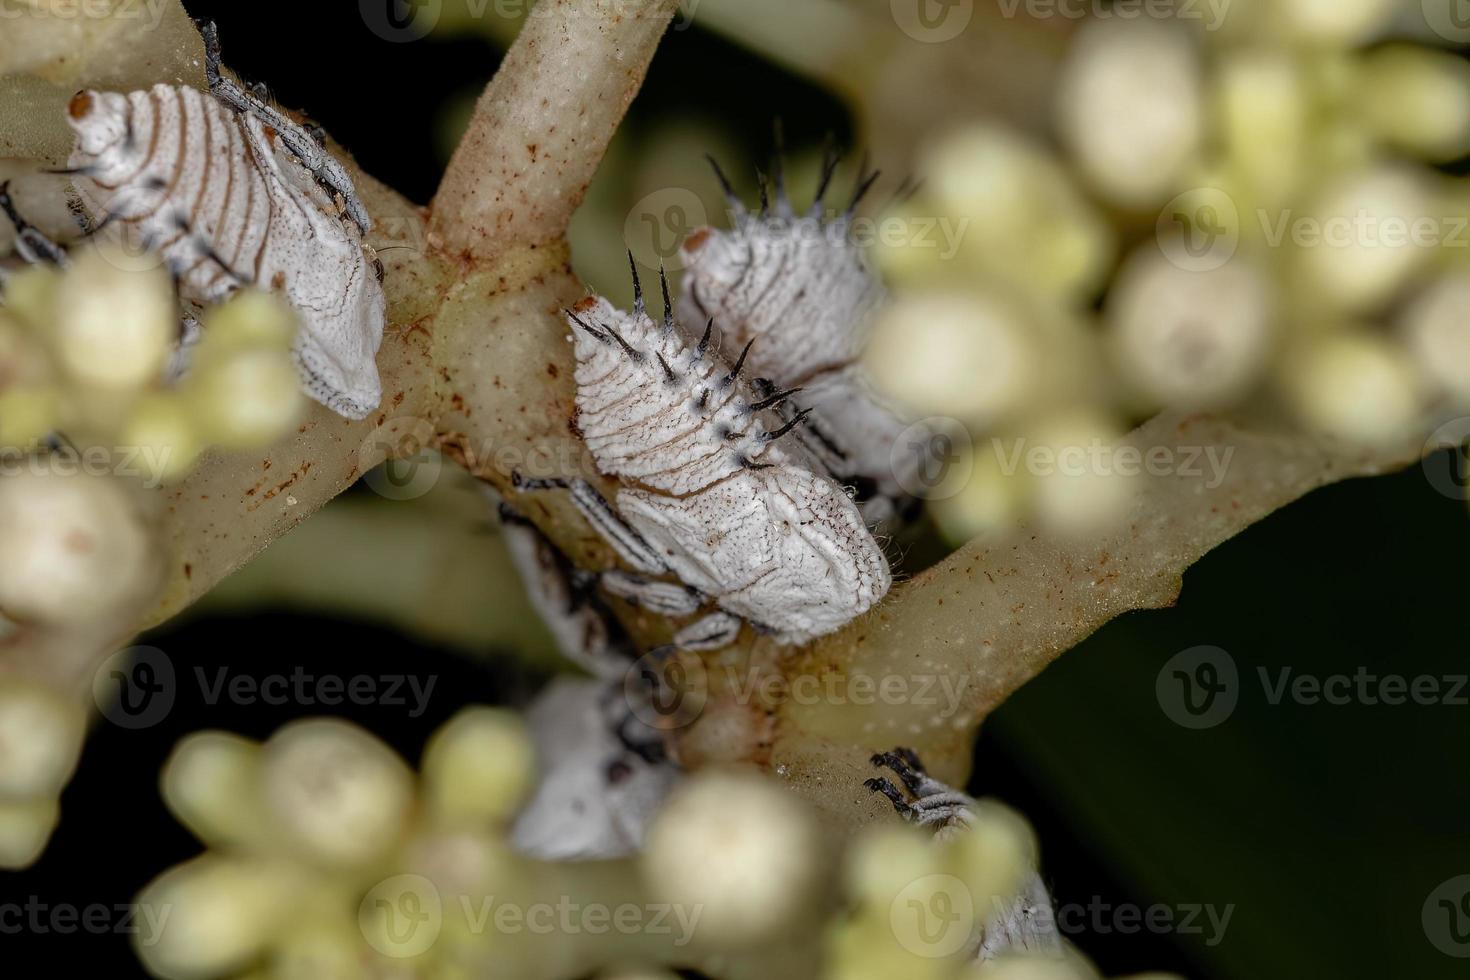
(626,541)
(880,784)
(713,632)
(655,595)
(631,731)
(30,243)
(328,172)
(935,804)
(904,766)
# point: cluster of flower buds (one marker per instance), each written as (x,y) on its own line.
(1247,211)
(90,364)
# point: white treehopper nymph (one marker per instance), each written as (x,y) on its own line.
(230,192)
(802,285)
(711,494)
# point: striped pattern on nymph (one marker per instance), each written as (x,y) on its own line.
(709,494)
(665,413)
(220,198)
(800,285)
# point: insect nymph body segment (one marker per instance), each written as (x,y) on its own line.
(710,494)
(224,200)
(802,285)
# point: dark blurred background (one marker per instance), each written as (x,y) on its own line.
(1323,829)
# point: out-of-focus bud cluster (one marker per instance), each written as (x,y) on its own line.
(328,857)
(321,836)
(1225,212)
(920,903)
(85,358)
(40,739)
(89,419)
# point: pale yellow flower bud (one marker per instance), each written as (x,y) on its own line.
(1081,482)
(478,768)
(250,318)
(115,327)
(1372,230)
(211,916)
(40,738)
(1128,107)
(885,859)
(1437,328)
(1417,99)
(1193,339)
(994,854)
(211,783)
(246,399)
(1338,22)
(741,849)
(76,547)
(966,356)
(1354,385)
(25,826)
(31,297)
(28,413)
(338,795)
(163,433)
(23,358)
(1262,103)
(1027,224)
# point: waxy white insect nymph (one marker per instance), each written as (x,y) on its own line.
(230,193)
(710,494)
(800,284)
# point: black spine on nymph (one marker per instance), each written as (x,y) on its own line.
(638,306)
(760,183)
(668,371)
(633,355)
(773,400)
(796,420)
(601,337)
(864,185)
(703,347)
(729,379)
(663,282)
(831,156)
(730,196)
